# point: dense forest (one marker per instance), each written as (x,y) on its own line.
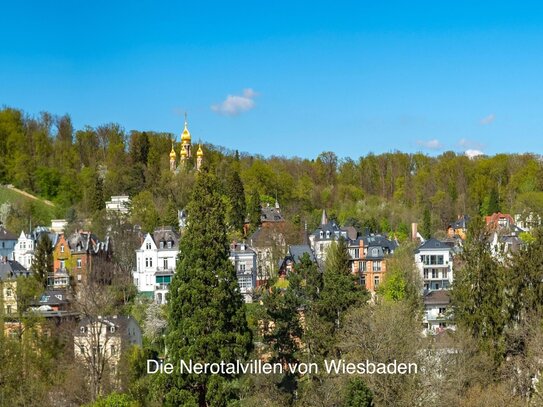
(79,169)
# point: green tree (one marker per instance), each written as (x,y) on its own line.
(478,294)
(144,211)
(426,229)
(340,291)
(358,394)
(206,314)
(254,209)
(43,259)
(237,208)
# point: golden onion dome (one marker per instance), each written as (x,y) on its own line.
(200,152)
(183,152)
(172,153)
(185,136)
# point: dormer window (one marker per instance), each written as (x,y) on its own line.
(374,252)
(170,244)
(112,329)
(327,234)
(162,245)
(322,234)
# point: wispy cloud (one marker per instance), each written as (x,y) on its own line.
(433,144)
(488,119)
(236,104)
(472,153)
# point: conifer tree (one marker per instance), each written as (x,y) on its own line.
(237,208)
(43,259)
(478,293)
(254,210)
(206,314)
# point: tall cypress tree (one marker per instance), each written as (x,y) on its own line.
(236,197)
(254,210)
(43,259)
(206,318)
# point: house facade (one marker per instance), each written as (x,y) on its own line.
(8,241)
(26,244)
(10,270)
(437,312)
(75,256)
(244,260)
(434,260)
(369,259)
(156,260)
(327,233)
(102,341)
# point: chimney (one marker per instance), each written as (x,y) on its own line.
(414,231)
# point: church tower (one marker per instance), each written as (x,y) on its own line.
(186,141)
(199,158)
(173,157)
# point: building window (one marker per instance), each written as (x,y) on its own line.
(434,273)
(241,267)
(82,349)
(147,246)
(9,293)
(162,245)
(426,274)
(113,350)
(112,329)
(62,265)
(445,273)
(82,329)
(376,266)
(78,263)
(165,264)
(442,310)
(356,253)
(169,244)
(374,252)
(376,282)
(8,309)
(62,248)
(79,278)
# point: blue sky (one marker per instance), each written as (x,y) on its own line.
(278,78)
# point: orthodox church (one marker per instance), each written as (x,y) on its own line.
(185,155)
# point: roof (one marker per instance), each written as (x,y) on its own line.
(166,234)
(119,321)
(460,223)
(265,237)
(53,297)
(11,269)
(332,230)
(271,214)
(6,234)
(298,251)
(434,244)
(237,247)
(437,297)
(82,241)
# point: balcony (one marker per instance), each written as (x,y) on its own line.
(162,286)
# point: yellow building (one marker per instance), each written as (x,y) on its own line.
(9,271)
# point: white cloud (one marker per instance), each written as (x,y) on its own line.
(236,104)
(433,144)
(472,153)
(488,119)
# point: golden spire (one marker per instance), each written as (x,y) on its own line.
(185,136)
(173,155)
(200,152)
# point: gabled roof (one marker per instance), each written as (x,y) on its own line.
(271,214)
(11,269)
(6,234)
(86,242)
